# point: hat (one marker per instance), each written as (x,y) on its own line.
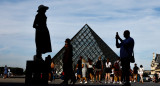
(42,6)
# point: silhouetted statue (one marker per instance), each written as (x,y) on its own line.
(67,63)
(42,38)
(126,49)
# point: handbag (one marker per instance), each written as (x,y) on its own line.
(132,59)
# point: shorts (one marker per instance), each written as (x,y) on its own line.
(90,70)
(108,70)
(98,71)
(79,72)
(118,73)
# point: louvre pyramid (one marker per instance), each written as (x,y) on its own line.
(88,44)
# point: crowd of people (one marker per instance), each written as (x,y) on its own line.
(112,72)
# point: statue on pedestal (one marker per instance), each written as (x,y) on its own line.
(42,37)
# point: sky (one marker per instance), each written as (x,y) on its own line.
(66,17)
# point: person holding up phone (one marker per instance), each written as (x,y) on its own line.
(126,49)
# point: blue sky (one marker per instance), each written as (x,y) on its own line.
(67,17)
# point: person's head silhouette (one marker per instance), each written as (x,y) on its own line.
(42,8)
(126,34)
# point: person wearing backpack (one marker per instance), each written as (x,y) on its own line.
(117,71)
(98,69)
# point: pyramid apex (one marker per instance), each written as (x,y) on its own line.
(86,25)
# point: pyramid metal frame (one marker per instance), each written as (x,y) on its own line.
(88,44)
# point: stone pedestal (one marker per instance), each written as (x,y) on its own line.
(36,73)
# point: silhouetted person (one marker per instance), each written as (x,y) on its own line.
(79,66)
(5,72)
(156,77)
(99,69)
(126,49)
(67,63)
(135,72)
(42,38)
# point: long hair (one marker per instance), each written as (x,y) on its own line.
(83,60)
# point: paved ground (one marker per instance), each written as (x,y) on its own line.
(21,81)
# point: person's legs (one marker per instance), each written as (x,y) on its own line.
(100,76)
(120,80)
(85,80)
(108,77)
(125,68)
(90,76)
(79,76)
(115,79)
(135,77)
(96,75)
(49,78)
(142,78)
(127,71)
(111,78)
(81,79)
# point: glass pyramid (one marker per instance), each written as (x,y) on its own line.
(88,44)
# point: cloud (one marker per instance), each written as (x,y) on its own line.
(66,18)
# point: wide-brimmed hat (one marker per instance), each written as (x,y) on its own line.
(42,7)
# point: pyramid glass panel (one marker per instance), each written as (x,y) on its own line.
(88,44)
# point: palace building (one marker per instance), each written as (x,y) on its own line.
(155,64)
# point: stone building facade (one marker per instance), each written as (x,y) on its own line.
(155,64)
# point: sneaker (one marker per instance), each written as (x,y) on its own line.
(49,81)
(120,83)
(114,82)
(105,82)
(130,81)
(134,80)
(80,82)
(108,82)
(85,82)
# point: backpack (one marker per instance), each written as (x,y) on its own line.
(98,64)
(116,65)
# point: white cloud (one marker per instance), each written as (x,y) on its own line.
(65,19)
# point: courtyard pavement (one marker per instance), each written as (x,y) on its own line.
(21,82)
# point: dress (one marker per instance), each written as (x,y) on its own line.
(140,71)
(108,67)
(84,69)
(42,37)
(5,70)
